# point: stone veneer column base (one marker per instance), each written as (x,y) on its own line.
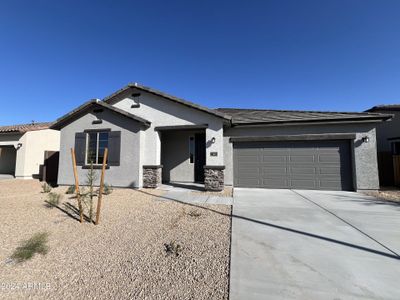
(214,178)
(152,176)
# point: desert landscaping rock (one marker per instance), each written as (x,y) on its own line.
(123,257)
(391,195)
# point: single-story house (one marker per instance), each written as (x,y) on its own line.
(23,147)
(154,137)
(388,145)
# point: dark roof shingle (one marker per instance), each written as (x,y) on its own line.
(267,116)
(385,107)
(22,128)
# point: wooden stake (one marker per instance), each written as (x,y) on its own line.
(77,192)
(103,169)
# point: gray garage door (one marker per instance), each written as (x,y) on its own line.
(322,165)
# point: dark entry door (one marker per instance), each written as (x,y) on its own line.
(199,156)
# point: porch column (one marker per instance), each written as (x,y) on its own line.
(151,176)
(214,168)
(151,154)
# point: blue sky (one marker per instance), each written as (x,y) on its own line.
(311,55)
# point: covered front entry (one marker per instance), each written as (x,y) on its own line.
(8,156)
(183,155)
(319,165)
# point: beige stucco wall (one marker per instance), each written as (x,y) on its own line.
(31,154)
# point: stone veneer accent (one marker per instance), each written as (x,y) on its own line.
(152,176)
(214,178)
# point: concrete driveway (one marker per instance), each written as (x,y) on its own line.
(292,244)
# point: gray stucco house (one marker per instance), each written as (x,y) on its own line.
(388,144)
(154,137)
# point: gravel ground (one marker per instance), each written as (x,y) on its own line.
(227,192)
(123,257)
(392,195)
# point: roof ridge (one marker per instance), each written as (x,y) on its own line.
(27,124)
(294,110)
(384,107)
(22,128)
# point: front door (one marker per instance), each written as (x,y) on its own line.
(199,156)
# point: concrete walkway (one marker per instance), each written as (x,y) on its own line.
(193,194)
(313,245)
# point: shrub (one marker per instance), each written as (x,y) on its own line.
(91,177)
(172,248)
(70,190)
(107,189)
(28,248)
(194,213)
(53,199)
(46,188)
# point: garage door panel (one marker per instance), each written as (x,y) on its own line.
(329,171)
(305,171)
(303,165)
(275,183)
(301,158)
(326,158)
(254,172)
(309,184)
(250,159)
(268,172)
(273,158)
(330,185)
(249,182)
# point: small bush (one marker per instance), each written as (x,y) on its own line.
(46,188)
(194,213)
(172,248)
(70,190)
(108,189)
(53,199)
(28,248)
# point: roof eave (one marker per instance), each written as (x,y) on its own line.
(61,122)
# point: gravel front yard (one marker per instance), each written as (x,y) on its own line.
(387,194)
(124,257)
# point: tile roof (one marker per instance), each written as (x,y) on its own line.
(22,128)
(386,107)
(267,116)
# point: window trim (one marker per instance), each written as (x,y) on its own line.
(97,131)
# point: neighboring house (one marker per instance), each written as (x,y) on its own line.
(22,148)
(154,137)
(388,145)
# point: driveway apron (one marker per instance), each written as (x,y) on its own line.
(313,245)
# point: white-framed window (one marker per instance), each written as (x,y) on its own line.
(191,149)
(96,142)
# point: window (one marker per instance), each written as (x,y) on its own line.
(396,148)
(191,149)
(96,143)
